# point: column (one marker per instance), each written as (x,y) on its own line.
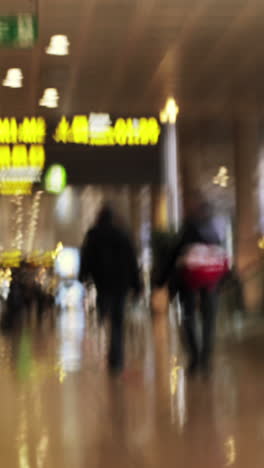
(247,253)
(172,180)
(159,208)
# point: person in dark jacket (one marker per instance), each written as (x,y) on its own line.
(198,228)
(108,257)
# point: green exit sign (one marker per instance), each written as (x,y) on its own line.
(18,31)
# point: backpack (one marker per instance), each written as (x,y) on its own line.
(203,266)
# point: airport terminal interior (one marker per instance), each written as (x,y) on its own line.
(131,233)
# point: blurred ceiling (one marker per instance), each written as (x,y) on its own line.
(127,56)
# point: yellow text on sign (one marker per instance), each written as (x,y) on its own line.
(21,156)
(131,132)
(15,187)
(30,131)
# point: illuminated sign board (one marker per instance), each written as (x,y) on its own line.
(18,31)
(22,154)
(98,130)
(56,179)
(15,187)
(29,131)
(95,130)
(20,167)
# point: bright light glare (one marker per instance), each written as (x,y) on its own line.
(50,98)
(59,45)
(99,122)
(14,78)
(68,263)
(56,179)
(170,111)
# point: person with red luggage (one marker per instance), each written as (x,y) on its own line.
(200,263)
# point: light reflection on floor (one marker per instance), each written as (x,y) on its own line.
(59,407)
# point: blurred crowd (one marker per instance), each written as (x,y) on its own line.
(193,268)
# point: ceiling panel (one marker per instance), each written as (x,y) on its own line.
(9,7)
(128,55)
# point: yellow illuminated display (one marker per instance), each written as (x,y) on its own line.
(95,130)
(15,187)
(20,167)
(30,131)
(36,156)
(21,156)
(18,156)
(131,132)
(82,130)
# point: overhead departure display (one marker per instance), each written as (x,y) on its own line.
(93,130)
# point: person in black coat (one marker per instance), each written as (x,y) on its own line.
(199,228)
(108,257)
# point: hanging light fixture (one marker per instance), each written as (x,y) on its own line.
(50,98)
(59,45)
(14,78)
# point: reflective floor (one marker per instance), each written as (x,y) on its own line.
(59,408)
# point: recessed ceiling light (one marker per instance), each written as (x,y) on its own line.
(59,45)
(14,78)
(50,98)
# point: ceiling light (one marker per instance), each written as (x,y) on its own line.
(50,98)
(170,111)
(14,78)
(59,45)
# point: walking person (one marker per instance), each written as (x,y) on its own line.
(198,236)
(108,257)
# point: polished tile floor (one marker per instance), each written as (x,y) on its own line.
(60,409)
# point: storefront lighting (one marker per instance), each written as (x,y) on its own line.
(50,98)
(67,263)
(14,78)
(20,168)
(230,449)
(17,203)
(261,243)
(170,112)
(59,45)
(34,216)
